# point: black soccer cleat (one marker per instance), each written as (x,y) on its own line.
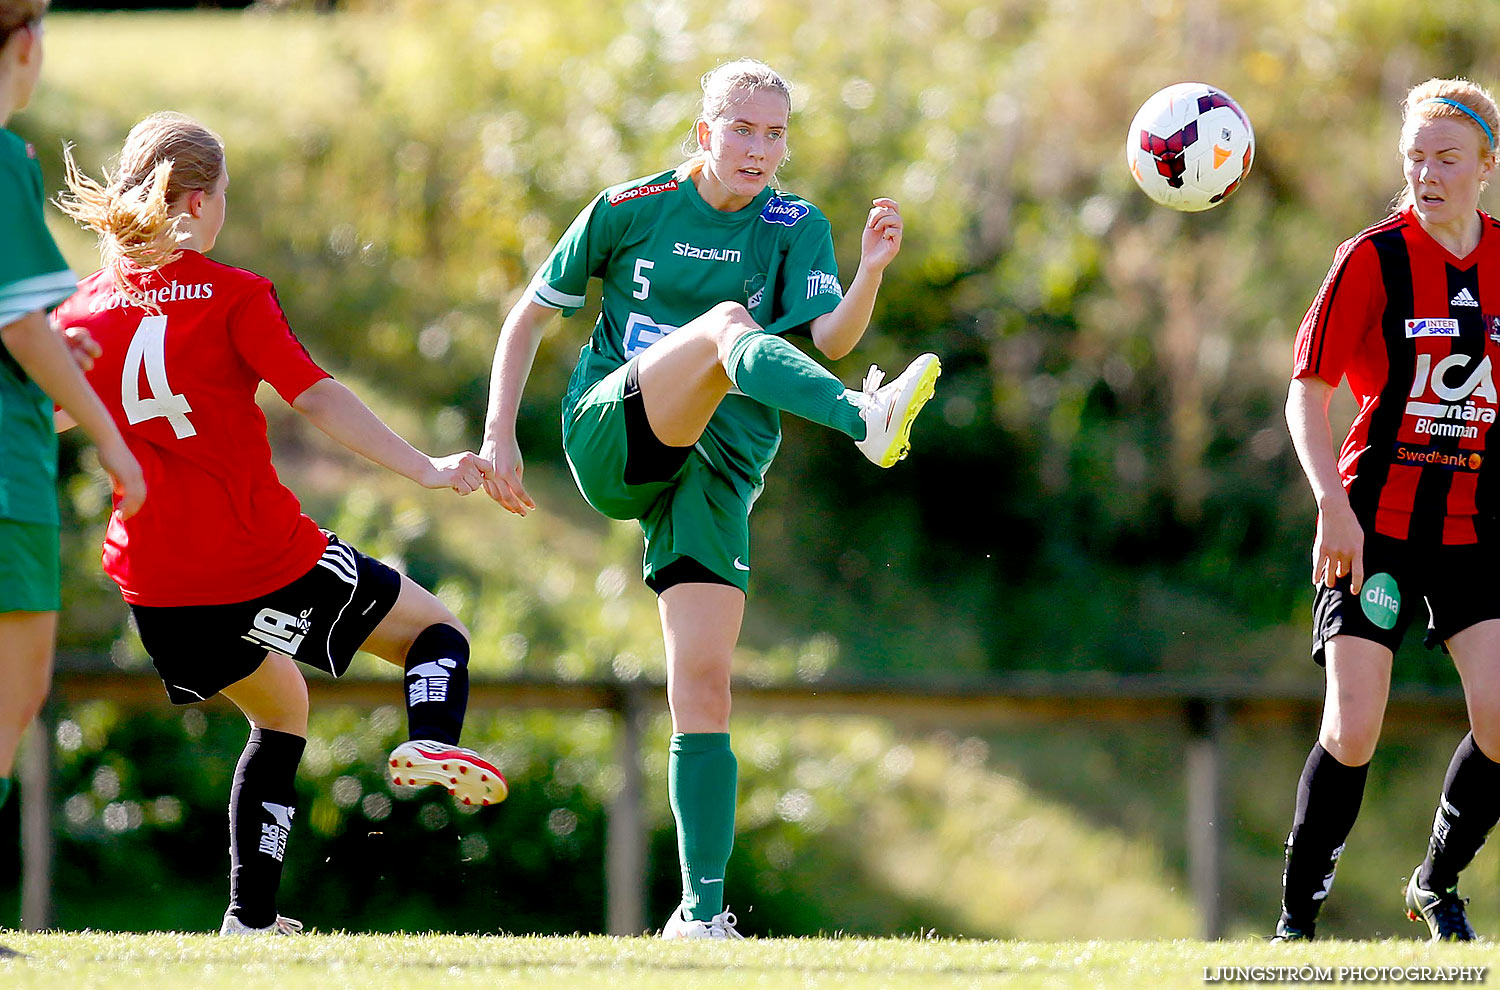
(1290,931)
(1444,912)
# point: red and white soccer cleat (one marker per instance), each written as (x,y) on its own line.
(468,777)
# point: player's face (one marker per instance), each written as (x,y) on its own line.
(215,207)
(30,71)
(746,145)
(1446,167)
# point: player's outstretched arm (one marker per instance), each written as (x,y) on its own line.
(514,354)
(836,333)
(1338,548)
(42,353)
(341,414)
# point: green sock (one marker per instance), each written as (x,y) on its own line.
(4,790)
(701,778)
(772,370)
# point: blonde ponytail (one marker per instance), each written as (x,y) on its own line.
(165,156)
(136,228)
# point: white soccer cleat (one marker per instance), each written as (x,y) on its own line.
(889,410)
(281,926)
(720,925)
(468,777)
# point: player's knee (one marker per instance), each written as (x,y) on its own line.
(700,692)
(1351,745)
(447,639)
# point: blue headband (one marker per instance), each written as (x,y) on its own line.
(1476,118)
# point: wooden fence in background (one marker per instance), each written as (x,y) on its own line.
(1205,708)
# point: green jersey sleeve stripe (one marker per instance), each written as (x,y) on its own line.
(31,294)
(548,296)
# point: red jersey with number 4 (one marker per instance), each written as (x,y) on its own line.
(218,525)
(1417,332)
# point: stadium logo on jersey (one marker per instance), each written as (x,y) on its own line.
(1431,327)
(819,283)
(683,249)
(1464,298)
(429,681)
(279,631)
(1425,456)
(641,332)
(639,191)
(780,211)
(274,833)
(171,292)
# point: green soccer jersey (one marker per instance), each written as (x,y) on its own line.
(33,276)
(666,257)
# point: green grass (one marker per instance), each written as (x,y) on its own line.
(204,962)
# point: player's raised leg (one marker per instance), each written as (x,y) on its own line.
(701,624)
(263,797)
(421,635)
(685,376)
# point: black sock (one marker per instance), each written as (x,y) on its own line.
(1468,809)
(437,684)
(1328,798)
(262,802)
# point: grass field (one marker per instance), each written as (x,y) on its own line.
(172,961)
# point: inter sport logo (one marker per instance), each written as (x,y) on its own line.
(273,834)
(1432,327)
(429,681)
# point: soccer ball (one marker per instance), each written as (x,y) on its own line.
(1190,147)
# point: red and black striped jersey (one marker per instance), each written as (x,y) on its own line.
(1417,333)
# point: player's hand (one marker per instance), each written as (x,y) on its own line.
(882,235)
(125,473)
(464,472)
(1339,547)
(82,345)
(504,485)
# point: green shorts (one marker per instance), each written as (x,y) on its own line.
(686,508)
(30,567)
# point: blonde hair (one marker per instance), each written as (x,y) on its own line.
(725,86)
(1434,100)
(16,14)
(165,156)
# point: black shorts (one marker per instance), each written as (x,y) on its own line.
(1399,575)
(321,619)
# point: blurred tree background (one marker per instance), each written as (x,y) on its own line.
(1104,481)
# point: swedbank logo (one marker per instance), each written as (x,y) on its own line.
(1461,461)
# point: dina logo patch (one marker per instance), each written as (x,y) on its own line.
(1381,600)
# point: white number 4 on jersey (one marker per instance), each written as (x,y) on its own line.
(148,347)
